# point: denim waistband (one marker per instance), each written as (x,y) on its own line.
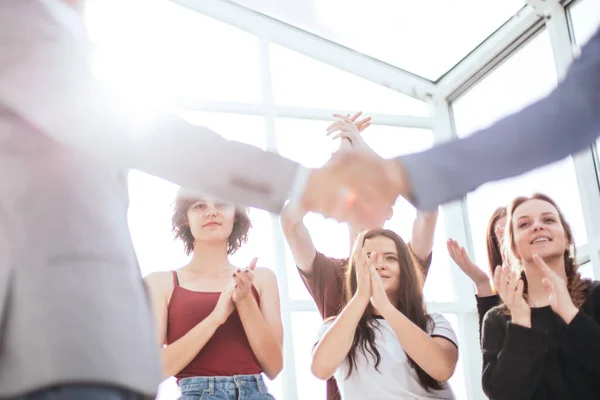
(212,383)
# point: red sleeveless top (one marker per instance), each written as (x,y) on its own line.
(227,352)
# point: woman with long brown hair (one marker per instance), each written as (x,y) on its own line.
(544,341)
(384,344)
(485,296)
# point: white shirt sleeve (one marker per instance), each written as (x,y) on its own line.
(443,328)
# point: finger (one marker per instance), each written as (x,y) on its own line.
(512,287)
(548,286)
(541,264)
(355,116)
(344,118)
(253,264)
(342,135)
(520,286)
(363,121)
(335,124)
(497,278)
(363,127)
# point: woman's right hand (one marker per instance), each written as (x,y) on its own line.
(509,286)
(362,270)
(225,305)
(461,258)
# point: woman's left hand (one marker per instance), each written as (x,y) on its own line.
(379,298)
(243,280)
(558,294)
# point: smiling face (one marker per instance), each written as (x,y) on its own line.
(537,229)
(383,253)
(211,220)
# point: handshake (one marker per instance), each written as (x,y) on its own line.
(356,185)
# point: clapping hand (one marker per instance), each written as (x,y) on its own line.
(476,274)
(558,293)
(379,297)
(510,288)
(243,280)
(349,129)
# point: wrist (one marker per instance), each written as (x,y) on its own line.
(484,288)
(569,314)
(522,319)
(398,179)
(386,308)
(215,319)
(361,298)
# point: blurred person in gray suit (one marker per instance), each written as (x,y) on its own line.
(75,320)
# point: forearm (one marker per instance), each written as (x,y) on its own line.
(265,345)
(484,289)
(422,234)
(420,346)
(333,348)
(298,236)
(181,352)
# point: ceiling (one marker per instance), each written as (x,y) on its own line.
(425,37)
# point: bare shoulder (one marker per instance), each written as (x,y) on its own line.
(264,277)
(160,282)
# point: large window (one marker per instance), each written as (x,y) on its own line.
(526,76)
(301,81)
(169,56)
(585,19)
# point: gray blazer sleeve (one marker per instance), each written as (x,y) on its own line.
(563,123)
(46,78)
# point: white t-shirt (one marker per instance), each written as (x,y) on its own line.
(396,379)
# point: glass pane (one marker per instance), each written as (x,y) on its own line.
(587,270)
(528,75)
(457,381)
(585,18)
(328,87)
(172,53)
(150,211)
(425,37)
(305,325)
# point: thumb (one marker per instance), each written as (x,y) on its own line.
(253,264)
(548,285)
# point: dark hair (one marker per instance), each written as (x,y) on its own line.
(181,227)
(409,302)
(577,287)
(493,243)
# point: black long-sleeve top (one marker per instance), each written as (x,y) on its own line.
(551,360)
(485,304)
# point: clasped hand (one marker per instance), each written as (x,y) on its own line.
(236,291)
(369,283)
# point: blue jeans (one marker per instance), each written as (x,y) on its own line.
(80,392)
(237,387)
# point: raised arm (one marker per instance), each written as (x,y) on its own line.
(422,234)
(335,343)
(298,237)
(180,353)
(563,123)
(262,324)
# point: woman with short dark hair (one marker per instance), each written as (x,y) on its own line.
(219,325)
